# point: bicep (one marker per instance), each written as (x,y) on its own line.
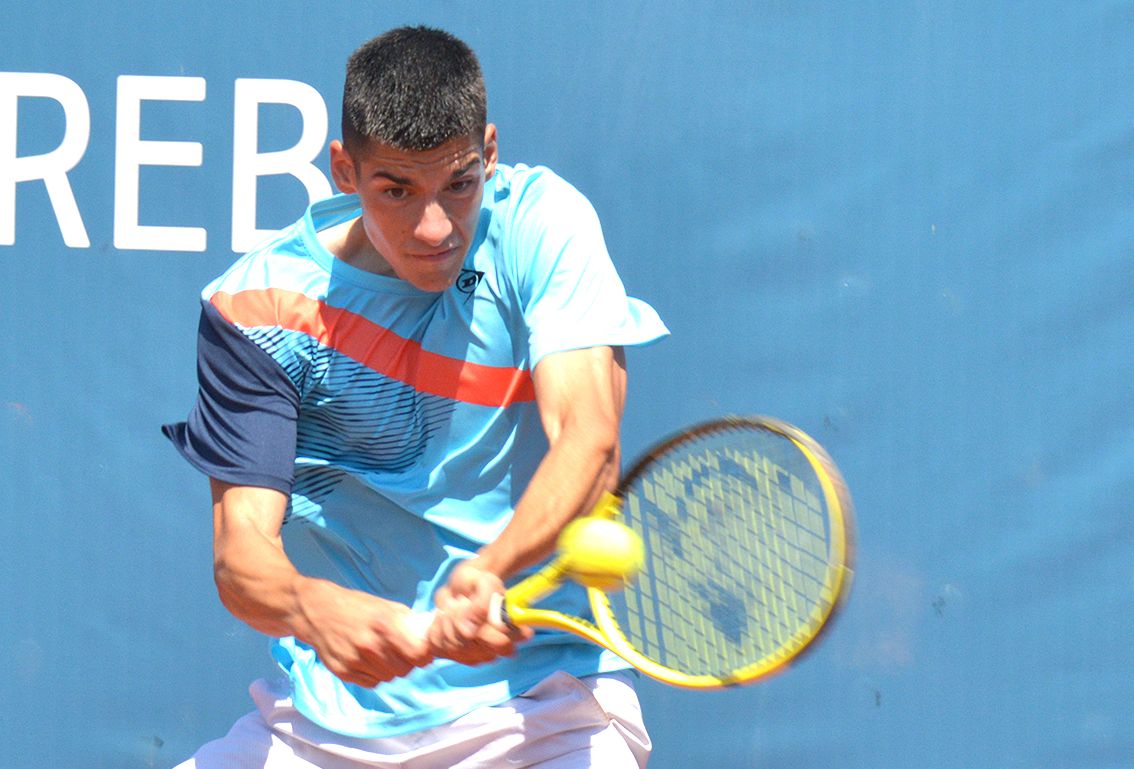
(583,391)
(240,512)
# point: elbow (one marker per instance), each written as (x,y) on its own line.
(599,439)
(602,437)
(231,585)
(237,595)
(225,579)
(606,443)
(597,433)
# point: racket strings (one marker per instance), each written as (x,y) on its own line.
(738,555)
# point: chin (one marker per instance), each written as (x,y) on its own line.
(435,277)
(435,284)
(434,288)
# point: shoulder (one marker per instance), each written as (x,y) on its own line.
(523,189)
(292,260)
(537,213)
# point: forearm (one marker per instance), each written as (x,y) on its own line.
(581,396)
(574,473)
(361,638)
(255,579)
(577,469)
(261,587)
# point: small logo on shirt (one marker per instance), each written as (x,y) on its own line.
(468,280)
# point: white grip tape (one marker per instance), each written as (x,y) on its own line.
(418,622)
(497,614)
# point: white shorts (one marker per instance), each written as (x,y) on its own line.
(561,723)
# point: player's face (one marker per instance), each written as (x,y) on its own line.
(419,209)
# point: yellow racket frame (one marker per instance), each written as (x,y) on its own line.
(605,632)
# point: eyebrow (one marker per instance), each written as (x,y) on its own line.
(407,182)
(395,179)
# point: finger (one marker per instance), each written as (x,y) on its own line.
(393,655)
(412,648)
(474,655)
(463,621)
(520,633)
(355,674)
(501,643)
(387,666)
(362,679)
(444,636)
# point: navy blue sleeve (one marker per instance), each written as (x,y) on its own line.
(242,428)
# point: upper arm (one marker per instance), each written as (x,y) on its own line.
(245,511)
(242,428)
(582,392)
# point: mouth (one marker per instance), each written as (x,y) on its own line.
(442,255)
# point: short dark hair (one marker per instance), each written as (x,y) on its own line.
(413,88)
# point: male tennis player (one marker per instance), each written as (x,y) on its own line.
(423,377)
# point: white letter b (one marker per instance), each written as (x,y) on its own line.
(248,164)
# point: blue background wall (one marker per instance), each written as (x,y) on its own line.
(903,226)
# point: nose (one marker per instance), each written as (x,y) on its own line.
(434,227)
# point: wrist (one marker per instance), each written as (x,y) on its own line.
(305,592)
(493,559)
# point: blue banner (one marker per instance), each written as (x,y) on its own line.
(904,227)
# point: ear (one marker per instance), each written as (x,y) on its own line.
(342,168)
(491,151)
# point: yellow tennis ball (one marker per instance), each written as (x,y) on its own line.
(601,553)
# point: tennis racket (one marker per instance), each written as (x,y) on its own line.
(738,555)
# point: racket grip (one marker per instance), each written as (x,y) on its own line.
(498,613)
(419,622)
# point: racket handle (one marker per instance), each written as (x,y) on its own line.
(498,613)
(419,622)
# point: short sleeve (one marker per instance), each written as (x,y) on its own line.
(571,293)
(242,429)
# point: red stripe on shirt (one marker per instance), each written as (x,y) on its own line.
(377,348)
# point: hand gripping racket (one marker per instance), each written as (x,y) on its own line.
(742,535)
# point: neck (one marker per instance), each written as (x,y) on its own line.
(348,242)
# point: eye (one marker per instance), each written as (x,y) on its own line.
(461,185)
(396,193)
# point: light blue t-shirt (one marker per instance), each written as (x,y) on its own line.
(404,423)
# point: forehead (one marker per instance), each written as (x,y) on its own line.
(453,155)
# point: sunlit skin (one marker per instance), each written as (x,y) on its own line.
(419,209)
